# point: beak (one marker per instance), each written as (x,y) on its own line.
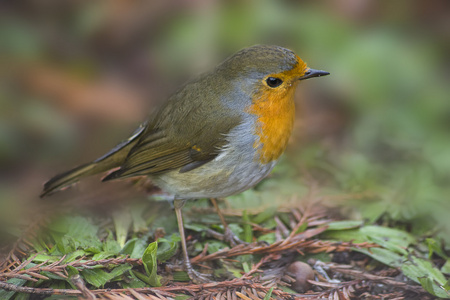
(310,73)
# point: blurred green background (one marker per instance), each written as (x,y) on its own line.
(78,76)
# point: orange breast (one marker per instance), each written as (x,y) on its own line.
(275,111)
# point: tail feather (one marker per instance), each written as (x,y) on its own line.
(114,158)
(67,178)
(113,175)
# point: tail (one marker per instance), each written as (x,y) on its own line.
(67,178)
(112,159)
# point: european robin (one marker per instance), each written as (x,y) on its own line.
(218,135)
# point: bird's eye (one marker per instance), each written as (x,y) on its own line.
(273,82)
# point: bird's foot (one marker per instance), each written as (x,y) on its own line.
(198,277)
(231,238)
(228,237)
(195,276)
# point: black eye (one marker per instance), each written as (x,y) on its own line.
(273,82)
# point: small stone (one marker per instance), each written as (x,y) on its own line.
(301,272)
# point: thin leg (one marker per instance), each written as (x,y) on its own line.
(194,275)
(178,206)
(229,236)
(219,212)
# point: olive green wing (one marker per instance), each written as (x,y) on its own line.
(184,143)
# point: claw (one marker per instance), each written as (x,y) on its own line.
(228,235)
(195,276)
(198,277)
(231,238)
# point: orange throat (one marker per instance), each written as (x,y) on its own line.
(275,113)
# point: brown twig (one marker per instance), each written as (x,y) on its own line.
(193,289)
(300,241)
(349,270)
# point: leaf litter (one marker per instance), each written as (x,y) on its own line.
(87,257)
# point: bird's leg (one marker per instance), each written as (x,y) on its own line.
(193,275)
(228,235)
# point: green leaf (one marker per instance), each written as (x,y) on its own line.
(59,284)
(110,248)
(269,294)
(134,248)
(287,289)
(42,257)
(89,244)
(423,272)
(96,277)
(384,256)
(433,289)
(102,255)
(65,244)
(264,216)
(52,276)
(268,238)
(99,277)
(246,267)
(72,271)
(302,227)
(183,297)
(111,245)
(73,256)
(139,224)
(74,233)
(341,225)
(393,239)
(354,235)
(150,264)
(120,270)
(418,267)
(435,247)
(235,228)
(181,276)
(248,234)
(122,222)
(133,282)
(6,295)
(214,246)
(196,227)
(141,276)
(447,285)
(167,248)
(39,244)
(75,226)
(22,296)
(446,267)
(231,268)
(392,246)
(396,236)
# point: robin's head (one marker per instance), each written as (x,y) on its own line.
(268,69)
(268,75)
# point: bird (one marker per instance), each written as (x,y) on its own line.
(218,135)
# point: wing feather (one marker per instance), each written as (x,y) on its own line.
(189,131)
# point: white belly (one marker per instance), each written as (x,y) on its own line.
(234,170)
